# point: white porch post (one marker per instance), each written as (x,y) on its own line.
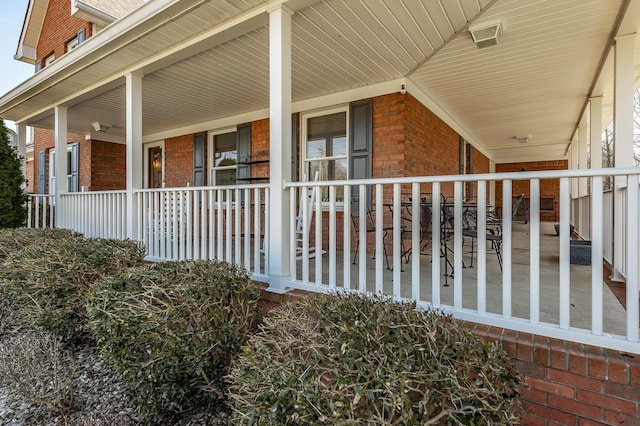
(623,131)
(133,150)
(60,133)
(583,205)
(280,145)
(22,145)
(595,137)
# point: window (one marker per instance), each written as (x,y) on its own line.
(76,41)
(154,165)
(49,59)
(325,149)
(225,159)
(73,162)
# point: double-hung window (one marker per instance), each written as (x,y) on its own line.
(225,159)
(325,148)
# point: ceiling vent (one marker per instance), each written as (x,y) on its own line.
(486,34)
(522,139)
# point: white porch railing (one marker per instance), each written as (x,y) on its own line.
(96,214)
(533,291)
(225,223)
(40,211)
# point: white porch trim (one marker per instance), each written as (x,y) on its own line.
(61,162)
(133,150)
(623,148)
(280,144)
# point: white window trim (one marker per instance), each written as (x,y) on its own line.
(52,172)
(145,172)
(210,154)
(303,143)
(49,60)
(72,44)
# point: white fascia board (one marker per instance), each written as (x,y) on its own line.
(26,54)
(100,17)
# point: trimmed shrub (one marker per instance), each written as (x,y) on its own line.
(173,328)
(14,240)
(46,285)
(347,359)
(39,370)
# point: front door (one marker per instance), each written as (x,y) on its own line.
(155,167)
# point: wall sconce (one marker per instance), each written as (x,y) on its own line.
(157,161)
(98,127)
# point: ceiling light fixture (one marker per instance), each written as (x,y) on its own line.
(487,33)
(522,139)
(100,127)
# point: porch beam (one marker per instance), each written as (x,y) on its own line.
(60,134)
(280,146)
(623,146)
(133,150)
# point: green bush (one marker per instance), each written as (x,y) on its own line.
(13,198)
(352,359)
(173,329)
(46,285)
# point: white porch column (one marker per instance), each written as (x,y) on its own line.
(623,131)
(280,145)
(22,145)
(133,150)
(60,165)
(595,131)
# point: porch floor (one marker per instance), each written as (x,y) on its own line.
(580,276)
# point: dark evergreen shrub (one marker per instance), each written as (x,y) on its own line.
(351,359)
(13,198)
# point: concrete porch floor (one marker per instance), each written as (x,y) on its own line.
(580,275)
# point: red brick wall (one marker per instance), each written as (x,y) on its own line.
(571,384)
(107,167)
(178,161)
(58,28)
(29,173)
(548,187)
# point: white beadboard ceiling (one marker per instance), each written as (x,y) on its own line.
(534,82)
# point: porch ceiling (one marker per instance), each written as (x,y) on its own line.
(207,60)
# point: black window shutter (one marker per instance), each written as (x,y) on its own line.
(243,145)
(198,159)
(294,147)
(41,172)
(361,144)
(72,184)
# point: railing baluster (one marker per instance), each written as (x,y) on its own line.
(228,226)
(237,228)
(565,237)
(416,229)
(534,251)
(318,236)
(304,203)
(346,258)
(481,229)
(257,232)
(435,245)
(379,238)
(247,229)
(506,249)
(458,239)
(597,254)
(633,240)
(332,236)
(362,240)
(397,235)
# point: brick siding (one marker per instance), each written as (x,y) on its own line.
(58,28)
(107,167)
(178,161)
(548,187)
